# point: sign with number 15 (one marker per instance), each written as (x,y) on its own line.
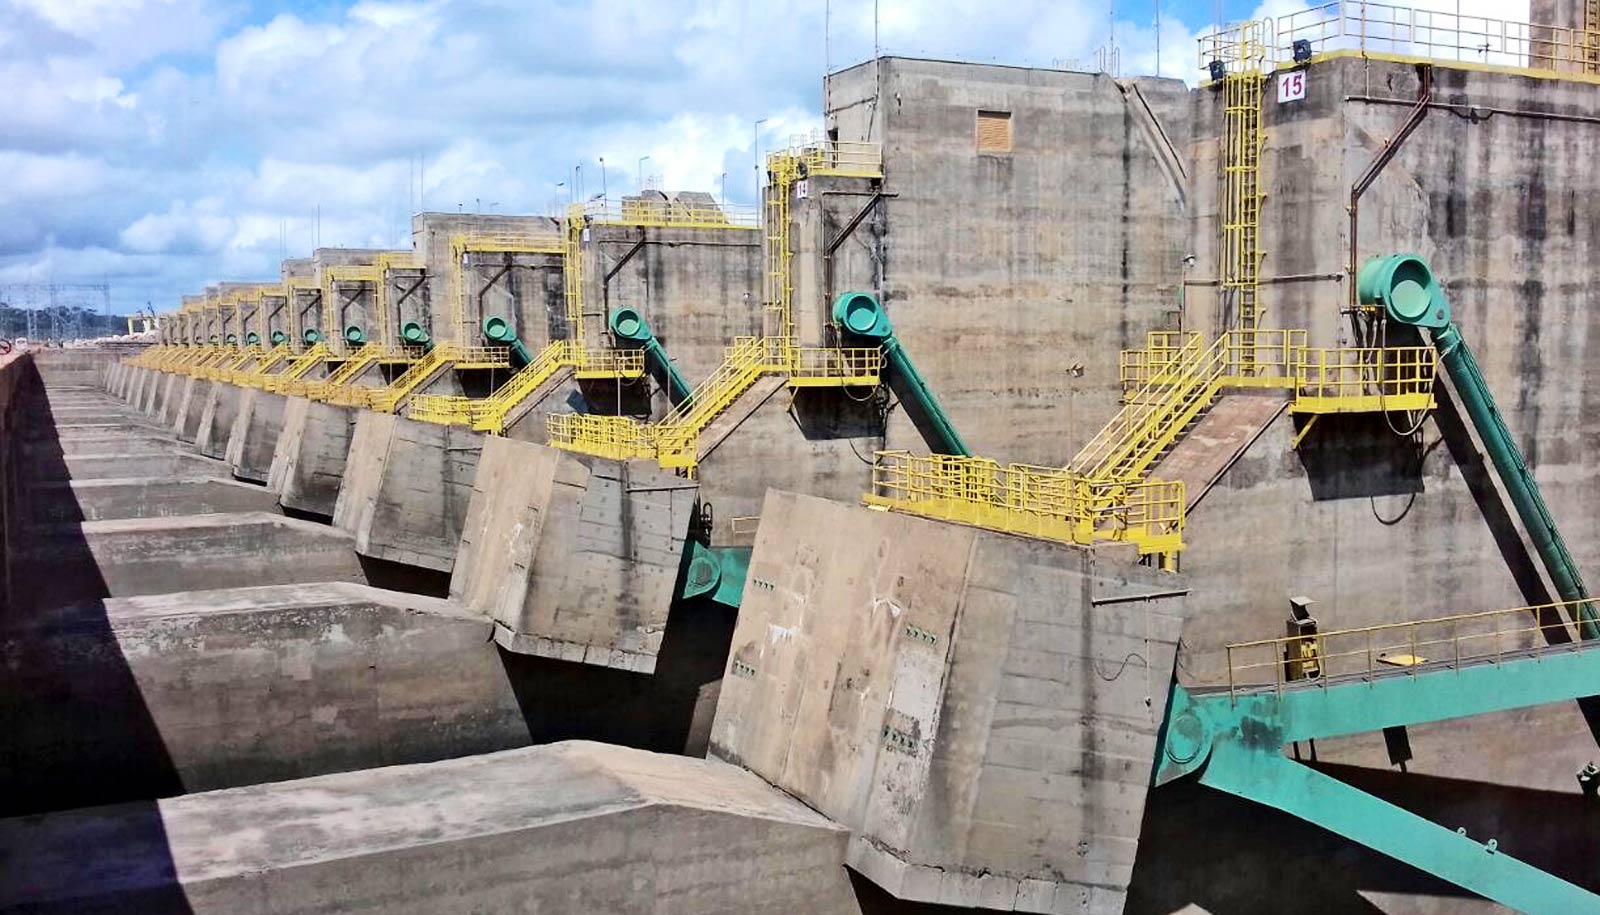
(1291,86)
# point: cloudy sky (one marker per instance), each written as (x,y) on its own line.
(162,144)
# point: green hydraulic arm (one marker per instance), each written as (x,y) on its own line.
(630,327)
(1404,285)
(500,332)
(1233,741)
(863,316)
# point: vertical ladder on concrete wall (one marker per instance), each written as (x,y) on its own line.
(1243,139)
(1591,37)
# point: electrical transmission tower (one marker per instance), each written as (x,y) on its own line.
(54,311)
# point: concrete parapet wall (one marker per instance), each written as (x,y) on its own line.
(196,408)
(980,710)
(154,696)
(66,563)
(308,463)
(573,827)
(406,489)
(116,499)
(254,438)
(573,559)
(216,423)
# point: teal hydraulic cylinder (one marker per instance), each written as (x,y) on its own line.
(630,327)
(311,336)
(715,573)
(354,335)
(252,338)
(414,334)
(499,332)
(862,315)
(279,338)
(233,339)
(1405,286)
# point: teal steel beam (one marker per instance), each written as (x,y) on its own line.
(629,325)
(1405,286)
(862,315)
(1234,740)
(1480,867)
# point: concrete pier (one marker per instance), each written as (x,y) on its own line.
(573,827)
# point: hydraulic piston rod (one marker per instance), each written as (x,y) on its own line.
(630,327)
(863,316)
(1405,286)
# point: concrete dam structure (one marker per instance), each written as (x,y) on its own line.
(1061,494)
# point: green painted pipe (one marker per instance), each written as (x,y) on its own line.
(233,339)
(311,336)
(1405,286)
(214,340)
(252,338)
(630,326)
(862,315)
(414,334)
(354,335)
(279,338)
(499,332)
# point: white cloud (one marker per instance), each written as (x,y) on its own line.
(170,143)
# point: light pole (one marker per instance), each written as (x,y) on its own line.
(642,161)
(755,146)
(724,190)
(603,195)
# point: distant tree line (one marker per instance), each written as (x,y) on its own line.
(62,322)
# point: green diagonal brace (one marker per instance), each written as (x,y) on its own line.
(1235,743)
(1299,790)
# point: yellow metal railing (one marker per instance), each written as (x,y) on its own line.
(846,158)
(385,399)
(1162,350)
(823,366)
(1439,35)
(256,377)
(297,369)
(489,414)
(1154,416)
(1365,379)
(1395,648)
(678,432)
(672,214)
(440,409)
(616,437)
(358,362)
(1041,502)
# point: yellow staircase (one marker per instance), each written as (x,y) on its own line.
(256,377)
(489,415)
(293,378)
(1154,415)
(677,435)
(340,387)
(430,366)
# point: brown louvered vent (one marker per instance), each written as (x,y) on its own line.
(994,131)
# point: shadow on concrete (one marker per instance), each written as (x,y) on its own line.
(1479,477)
(875,901)
(562,700)
(1200,847)
(834,413)
(70,708)
(399,576)
(1358,456)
